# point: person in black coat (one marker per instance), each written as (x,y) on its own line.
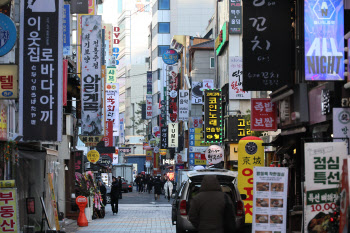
(120,187)
(157,188)
(114,195)
(103,191)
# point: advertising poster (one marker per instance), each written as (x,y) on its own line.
(148,107)
(213,116)
(267,45)
(323,166)
(214,154)
(112,106)
(173,135)
(250,155)
(41,57)
(184,105)
(8,81)
(341,123)
(235,17)
(91,110)
(236,80)
(197,93)
(8,203)
(324,40)
(270,199)
(149,82)
(66,30)
(263,116)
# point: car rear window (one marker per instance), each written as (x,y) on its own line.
(195,187)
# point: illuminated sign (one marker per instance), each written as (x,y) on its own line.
(212,116)
(222,39)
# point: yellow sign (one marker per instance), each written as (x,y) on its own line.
(53,202)
(93,156)
(3,120)
(8,81)
(111,74)
(250,155)
(198,130)
(7,183)
(200,162)
(149,155)
(90,140)
(162,151)
(200,143)
(234,152)
(8,203)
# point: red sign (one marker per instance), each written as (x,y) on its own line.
(116,34)
(65,80)
(263,117)
(108,138)
(145,144)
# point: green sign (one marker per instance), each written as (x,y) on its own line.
(219,45)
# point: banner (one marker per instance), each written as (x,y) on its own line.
(173,135)
(91,111)
(112,106)
(235,17)
(8,81)
(121,128)
(263,116)
(8,203)
(270,199)
(41,70)
(184,107)
(267,42)
(66,30)
(149,82)
(164,137)
(236,80)
(323,164)
(213,115)
(197,93)
(324,40)
(148,106)
(108,138)
(172,88)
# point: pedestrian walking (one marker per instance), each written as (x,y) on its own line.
(141,183)
(120,187)
(168,187)
(157,188)
(114,195)
(150,184)
(212,210)
(137,181)
(103,192)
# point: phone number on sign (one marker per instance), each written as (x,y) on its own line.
(323,207)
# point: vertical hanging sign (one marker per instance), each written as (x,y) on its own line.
(41,47)
(184,100)
(324,40)
(212,116)
(235,15)
(236,80)
(266,45)
(173,135)
(66,30)
(164,137)
(148,106)
(112,106)
(91,75)
(149,82)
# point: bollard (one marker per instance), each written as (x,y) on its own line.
(82,202)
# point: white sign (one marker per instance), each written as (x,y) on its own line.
(112,106)
(198,148)
(148,106)
(214,154)
(323,164)
(91,110)
(236,80)
(197,93)
(341,123)
(173,135)
(270,199)
(184,100)
(173,94)
(115,159)
(208,84)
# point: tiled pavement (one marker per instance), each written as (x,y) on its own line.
(131,218)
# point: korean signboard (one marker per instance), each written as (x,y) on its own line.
(197,158)
(109,37)
(3,120)
(324,40)
(149,155)
(91,75)
(148,106)
(196,137)
(8,214)
(8,34)
(222,39)
(93,156)
(184,105)
(115,159)
(212,116)
(164,137)
(214,154)
(66,30)
(91,140)
(263,116)
(78,161)
(341,123)
(197,93)
(108,138)
(170,57)
(266,45)
(80,6)
(111,74)
(236,127)
(173,84)
(173,135)
(8,81)
(196,122)
(41,70)
(149,82)
(270,199)
(323,164)
(235,17)
(125,150)
(116,41)
(208,84)
(112,106)
(236,80)
(250,155)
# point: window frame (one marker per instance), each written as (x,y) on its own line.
(160,55)
(163,23)
(163,8)
(211,67)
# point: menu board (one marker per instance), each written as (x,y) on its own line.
(270,200)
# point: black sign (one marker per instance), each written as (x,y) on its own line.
(236,127)
(266,45)
(41,70)
(235,23)
(105,160)
(149,82)
(106,150)
(78,161)
(79,7)
(212,116)
(164,137)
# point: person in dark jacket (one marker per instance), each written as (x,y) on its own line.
(103,191)
(120,187)
(114,195)
(149,184)
(157,188)
(141,182)
(208,209)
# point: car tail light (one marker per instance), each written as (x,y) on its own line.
(183,210)
(240,208)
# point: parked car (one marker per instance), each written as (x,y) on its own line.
(188,189)
(126,186)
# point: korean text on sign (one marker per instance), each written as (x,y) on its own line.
(8,210)
(263,117)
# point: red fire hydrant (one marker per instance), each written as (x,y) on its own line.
(82,202)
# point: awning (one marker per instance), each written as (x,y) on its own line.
(30,154)
(284,149)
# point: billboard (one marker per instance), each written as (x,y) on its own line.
(91,110)
(324,40)
(41,48)
(213,116)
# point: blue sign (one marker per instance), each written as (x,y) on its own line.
(324,40)
(7,93)
(66,30)
(191,130)
(191,143)
(192,137)
(170,57)
(8,34)
(191,155)
(191,161)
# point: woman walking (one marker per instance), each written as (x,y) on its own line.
(114,195)
(168,188)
